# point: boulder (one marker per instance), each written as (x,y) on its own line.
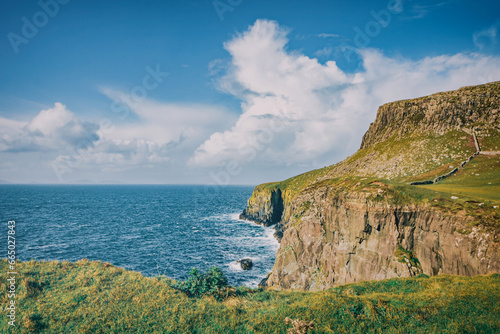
(246,264)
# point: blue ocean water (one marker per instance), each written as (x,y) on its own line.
(151,229)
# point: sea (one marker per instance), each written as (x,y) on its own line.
(151,229)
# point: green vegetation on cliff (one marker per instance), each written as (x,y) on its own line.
(95,297)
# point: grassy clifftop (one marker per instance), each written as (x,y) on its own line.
(94,297)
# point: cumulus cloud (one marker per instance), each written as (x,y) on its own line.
(150,132)
(52,129)
(298,111)
(277,87)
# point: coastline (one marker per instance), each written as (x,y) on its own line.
(278,234)
(278,227)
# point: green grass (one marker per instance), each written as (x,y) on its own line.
(94,297)
(478,180)
(471,190)
(413,157)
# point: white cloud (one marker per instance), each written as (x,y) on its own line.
(164,123)
(275,86)
(153,135)
(323,110)
(10,131)
(52,129)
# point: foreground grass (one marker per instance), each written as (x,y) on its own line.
(94,297)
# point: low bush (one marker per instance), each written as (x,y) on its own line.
(213,282)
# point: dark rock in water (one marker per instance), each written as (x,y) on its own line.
(246,264)
(243,215)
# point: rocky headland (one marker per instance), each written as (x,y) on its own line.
(373,216)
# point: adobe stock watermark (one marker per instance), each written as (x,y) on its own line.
(30,27)
(11,273)
(121,106)
(223,6)
(364,36)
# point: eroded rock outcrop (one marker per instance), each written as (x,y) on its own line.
(266,208)
(436,113)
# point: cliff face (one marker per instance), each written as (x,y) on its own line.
(361,220)
(348,237)
(266,208)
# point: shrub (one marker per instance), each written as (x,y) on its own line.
(213,282)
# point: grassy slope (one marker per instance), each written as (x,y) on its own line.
(477,183)
(93,297)
(416,157)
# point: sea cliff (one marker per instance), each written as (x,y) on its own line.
(361,219)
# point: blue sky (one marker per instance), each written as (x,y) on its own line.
(229,91)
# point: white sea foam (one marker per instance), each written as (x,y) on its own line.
(236,217)
(223,217)
(253,283)
(269,235)
(234,266)
(219,217)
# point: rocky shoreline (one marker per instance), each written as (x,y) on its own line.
(274,222)
(278,232)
